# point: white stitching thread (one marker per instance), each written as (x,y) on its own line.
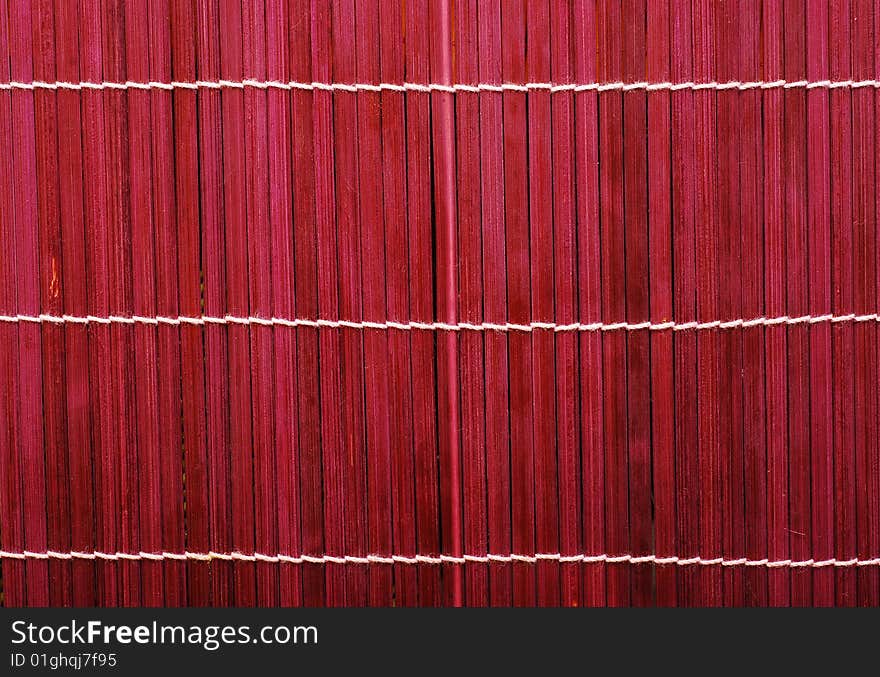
(437,87)
(441,559)
(443,326)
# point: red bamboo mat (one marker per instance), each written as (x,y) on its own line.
(439,303)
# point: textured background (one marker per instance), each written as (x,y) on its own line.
(151,461)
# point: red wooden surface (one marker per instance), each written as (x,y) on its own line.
(229,458)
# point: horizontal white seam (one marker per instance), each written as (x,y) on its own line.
(444,326)
(442,559)
(438,87)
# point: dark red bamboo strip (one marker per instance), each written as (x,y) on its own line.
(422,284)
(143,259)
(156,266)
(193,431)
(774,305)
(495,305)
(126,264)
(260,292)
(394,144)
(613,262)
(590,295)
(873,417)
(328,306)
(875,538)
(516,226)
(875,496)
(565,310)
(54,463)
(11,515)
(842,335)
(446,252)
(285,368)
(235,136)
(260,283)
(730,284)
(753,277)
(638,359)
(660,207)
(865,295)
(347,111)
(819,291)
(101,466)
(167,303)
(124,341)
(215,302)
(306,303)
(470,309)
(794,158)
(372,211)
(75,291)
(30,360)
(864,123)
(543,381)
(708,357)
(121,463)
(684,303)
